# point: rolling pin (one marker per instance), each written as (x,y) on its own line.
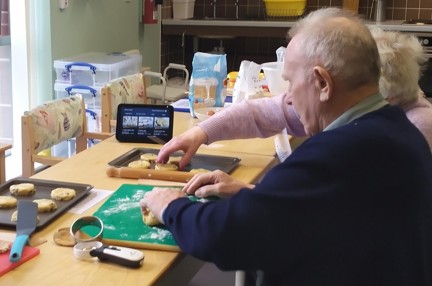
(135,173)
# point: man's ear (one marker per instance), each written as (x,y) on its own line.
(324,82)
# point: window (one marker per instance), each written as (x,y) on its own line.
(6,132)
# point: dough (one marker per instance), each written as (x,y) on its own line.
(149,218)
(174,160)
(199,170)
(166,167)
(151,157)
(23,189)
(142,164)
(45,205)
(63,194)
(14,217)
(63,237)
(7,202)
(4,246)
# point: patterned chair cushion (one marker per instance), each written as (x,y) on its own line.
(127,89)
(56,121)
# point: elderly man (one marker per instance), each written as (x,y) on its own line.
(351,206)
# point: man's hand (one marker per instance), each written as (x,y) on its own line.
(216,183)
(188,142)
(158,199)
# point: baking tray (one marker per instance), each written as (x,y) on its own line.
(209,162)
(43,191)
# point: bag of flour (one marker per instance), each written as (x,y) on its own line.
(206,87)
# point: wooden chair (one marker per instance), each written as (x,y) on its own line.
(126,89)
(3,149)
(52,123)
(164,93)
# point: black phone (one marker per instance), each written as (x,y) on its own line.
(144,123)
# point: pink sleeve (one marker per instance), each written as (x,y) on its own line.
(263,117)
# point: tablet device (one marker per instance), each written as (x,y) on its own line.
(144,123)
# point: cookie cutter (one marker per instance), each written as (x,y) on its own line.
(78,225)
(82,250)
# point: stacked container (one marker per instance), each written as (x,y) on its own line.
(86,74)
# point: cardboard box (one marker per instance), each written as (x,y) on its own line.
(183,9)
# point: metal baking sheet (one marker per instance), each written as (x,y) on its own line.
(43,191)
(209,162)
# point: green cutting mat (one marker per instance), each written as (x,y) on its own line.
(123,224)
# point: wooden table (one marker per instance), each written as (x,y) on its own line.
(56,265)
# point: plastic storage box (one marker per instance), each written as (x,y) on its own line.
(96,68)
(183,9)
(91,94)
(284,8)
(92,99)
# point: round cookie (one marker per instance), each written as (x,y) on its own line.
(4,246)
(7,202)
(63,194)
(174,160)
(166,167)
(14,217)
(139,164)
(151,157)
(45,205)
(22,189)
(149,218)
(199,170)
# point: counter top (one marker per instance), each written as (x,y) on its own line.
(395,25)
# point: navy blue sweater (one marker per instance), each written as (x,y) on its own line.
(350,206)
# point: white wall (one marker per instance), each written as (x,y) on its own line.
(41,33)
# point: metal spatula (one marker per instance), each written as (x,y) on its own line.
(26,224)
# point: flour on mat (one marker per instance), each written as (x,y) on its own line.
(110,227)
(123,204)
(157,233)
(122,207)
(138,195)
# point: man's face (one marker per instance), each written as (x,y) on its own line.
(302,93)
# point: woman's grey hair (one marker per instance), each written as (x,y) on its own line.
(345,48)
(402,59)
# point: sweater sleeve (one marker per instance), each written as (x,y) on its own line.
(263,117)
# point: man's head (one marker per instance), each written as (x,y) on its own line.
(332,63)
(402,58)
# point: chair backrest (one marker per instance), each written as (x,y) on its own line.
(3,148)
(52,123)
(126,89)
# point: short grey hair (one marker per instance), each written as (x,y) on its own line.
(402,60)
(345,48)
